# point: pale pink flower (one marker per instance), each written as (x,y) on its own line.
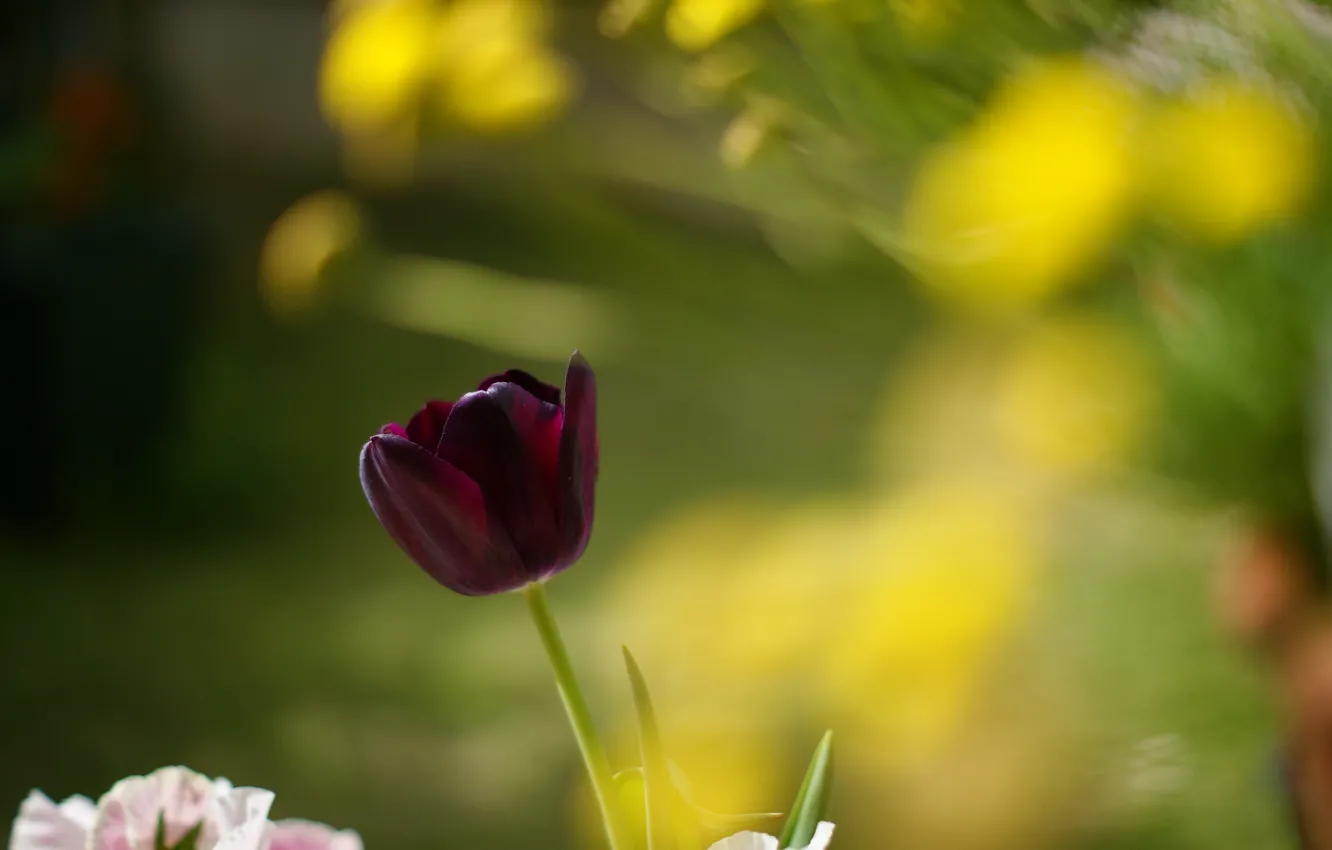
(228,818)
(127,816)
(308,835)
(43,825)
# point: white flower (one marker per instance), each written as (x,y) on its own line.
(759,841)
(308,835)
(42,825)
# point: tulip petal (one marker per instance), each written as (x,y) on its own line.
(579,458)
(507,441)
(529,382)
(438,515)
(427,426)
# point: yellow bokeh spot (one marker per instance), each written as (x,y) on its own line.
(496,72)
(1227,161)
(1075,395)
(948,570)
(697,24)
(780,597)
(375,63)
(1024,201)
(528,88)
(300,245)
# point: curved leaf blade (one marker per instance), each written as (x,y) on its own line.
(811,802)
(659,790)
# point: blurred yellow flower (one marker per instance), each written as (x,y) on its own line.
(300,244)
(948,570)
(1075,395)
(879,617)
(495,71)
(664,605)
(375,63)
(483,63)
(1227,160)
(697,24)
(1026,199)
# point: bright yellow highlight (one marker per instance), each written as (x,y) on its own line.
(495,73)
(1032,194)
(300,245)
(375,63)
(1228,161)
(1075,396)
(482,63)
(697,24)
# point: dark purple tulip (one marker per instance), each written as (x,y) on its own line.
(495,490)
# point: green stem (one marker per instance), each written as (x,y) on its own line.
(594,756)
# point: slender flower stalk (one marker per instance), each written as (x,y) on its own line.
(580,719)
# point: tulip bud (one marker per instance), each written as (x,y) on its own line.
(496,490)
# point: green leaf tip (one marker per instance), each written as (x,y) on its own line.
(811,802)
(659,790)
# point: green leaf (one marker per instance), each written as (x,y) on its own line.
(811,802)
(159,840)
(190,840)
(659,791)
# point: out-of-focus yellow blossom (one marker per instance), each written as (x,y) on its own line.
(732,604)
(783,594)
(1228,160)
(882,617)
(300,244)
(948,571)
(1022,202)
(1075,395)
(665,605)
(375,63)
(495,71)
(483,63)
(697,24)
